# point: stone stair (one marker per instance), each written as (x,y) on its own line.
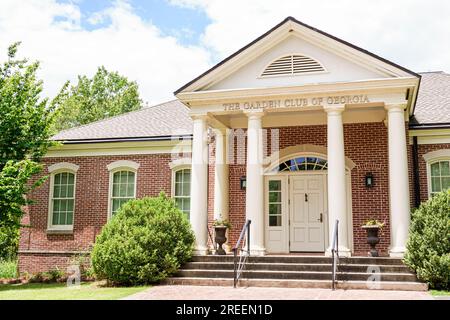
(300,272)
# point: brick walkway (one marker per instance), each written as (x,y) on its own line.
(254,293)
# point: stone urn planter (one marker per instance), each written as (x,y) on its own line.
(220,230)
(220,238)
(372,229)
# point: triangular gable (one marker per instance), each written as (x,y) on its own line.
(281,33)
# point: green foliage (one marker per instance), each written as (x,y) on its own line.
(25,121)
(14,185)
(25,128)
(8,269)
(54,274)
(222,223)
(83,261)
(428,247)
(145,242)
(373,222)
(105,95)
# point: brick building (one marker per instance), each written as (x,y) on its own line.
(295,131)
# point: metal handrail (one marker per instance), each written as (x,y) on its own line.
(335,254)
(239,265)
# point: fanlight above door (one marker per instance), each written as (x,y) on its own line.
(302,164)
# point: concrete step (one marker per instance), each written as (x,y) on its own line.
(302,259)
(311,275)
(281,283)
(294,267)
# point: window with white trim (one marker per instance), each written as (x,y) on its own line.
(182,190)
(439,176)
(123,188)
(62,197)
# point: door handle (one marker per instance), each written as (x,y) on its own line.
(306,197)
(321,218)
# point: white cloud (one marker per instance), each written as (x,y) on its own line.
(412,33)
(51,33)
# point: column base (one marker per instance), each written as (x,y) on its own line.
(343,252)
(257,251)
(397,252)
(201,251)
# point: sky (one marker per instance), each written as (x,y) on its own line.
(162,44)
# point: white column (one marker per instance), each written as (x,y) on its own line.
(399,205)
(337,187)
(254,209)
(199,185)
(221,176)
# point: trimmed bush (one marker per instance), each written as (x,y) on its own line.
(146,241)
(428,247)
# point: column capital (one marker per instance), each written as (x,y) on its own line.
(254,114)
(334,109)
(220,131)
(396,107)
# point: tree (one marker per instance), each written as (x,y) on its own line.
(106,94)
(14,185)
(25,128)
(25,121)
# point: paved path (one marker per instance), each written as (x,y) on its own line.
(255,293)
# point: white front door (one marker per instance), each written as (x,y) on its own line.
(306,231)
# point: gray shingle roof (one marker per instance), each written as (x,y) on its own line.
(166,119)
(172,119)
(433,101)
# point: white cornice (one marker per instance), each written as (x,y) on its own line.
(120,148)
(372,85)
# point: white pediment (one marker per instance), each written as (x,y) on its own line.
(341,62)
(335,68)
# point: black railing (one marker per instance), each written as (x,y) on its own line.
(239,264)
(335,254)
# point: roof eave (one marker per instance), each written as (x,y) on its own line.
(125,139)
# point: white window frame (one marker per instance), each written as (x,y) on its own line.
(175,166)
(431,158)
(121,165)
(53,170)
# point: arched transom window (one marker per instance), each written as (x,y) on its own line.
(302,164)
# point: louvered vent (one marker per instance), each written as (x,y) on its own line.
(292,64)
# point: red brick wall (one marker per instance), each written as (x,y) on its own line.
(91,206)
(366,145)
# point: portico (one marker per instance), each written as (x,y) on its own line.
(306,143)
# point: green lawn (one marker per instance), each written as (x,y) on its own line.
(59,291)
(440,293)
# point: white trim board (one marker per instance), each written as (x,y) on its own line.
(120,148)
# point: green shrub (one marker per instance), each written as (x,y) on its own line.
(146,241)
(54,274)
(428,247)
(8,269)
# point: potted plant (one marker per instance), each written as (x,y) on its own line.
(220,228)
(372,227)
